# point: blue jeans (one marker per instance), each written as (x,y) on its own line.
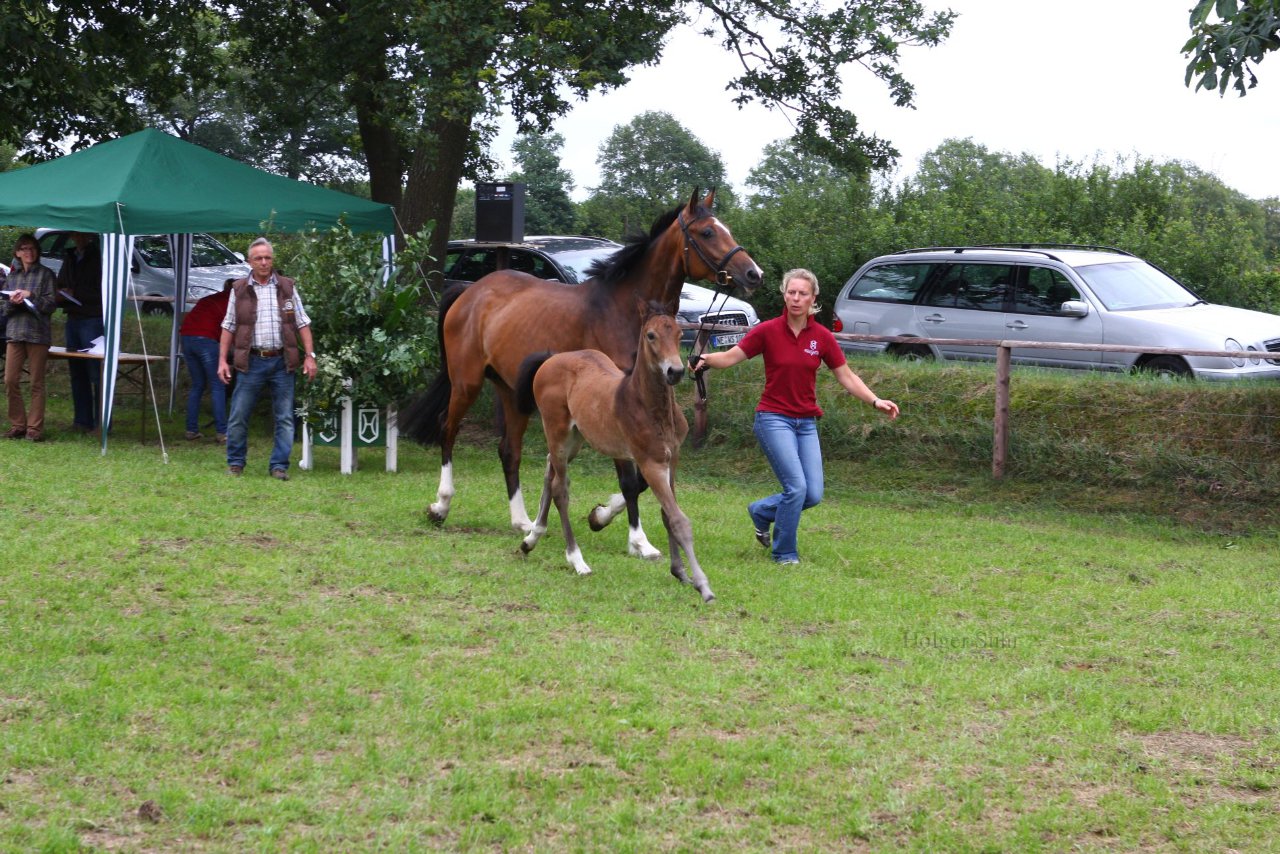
(272,374)
(791,446)
(86,375)
(201,356)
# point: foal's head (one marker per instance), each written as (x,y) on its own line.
(659,350)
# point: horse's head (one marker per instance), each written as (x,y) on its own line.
(710,252)
(659,349)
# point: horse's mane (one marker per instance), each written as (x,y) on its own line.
(618,266)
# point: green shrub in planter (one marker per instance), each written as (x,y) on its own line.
(375,341)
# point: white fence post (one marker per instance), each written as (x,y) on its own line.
(393,437)
(306,462)
(346,453)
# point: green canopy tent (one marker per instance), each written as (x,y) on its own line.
(153,183)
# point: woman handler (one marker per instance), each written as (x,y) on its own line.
(786,422)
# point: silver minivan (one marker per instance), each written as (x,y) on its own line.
(152,267)
(1049,293)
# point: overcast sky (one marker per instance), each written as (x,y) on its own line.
(1061,81)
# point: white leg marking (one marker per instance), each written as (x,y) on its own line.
(444,494)
(638,545)
(519,517)
(574,556)
(531,539)
(602,514)
(610,511)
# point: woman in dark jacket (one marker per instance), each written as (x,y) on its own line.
(28,309)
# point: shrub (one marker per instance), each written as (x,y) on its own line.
(376,341)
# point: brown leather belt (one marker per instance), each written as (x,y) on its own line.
(265,354)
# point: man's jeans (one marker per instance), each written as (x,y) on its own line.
(792,448)
(86,375)
(201,356)
(272,374)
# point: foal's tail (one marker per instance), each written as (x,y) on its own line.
(524,381)
(422,416)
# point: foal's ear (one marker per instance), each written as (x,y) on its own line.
(644,309)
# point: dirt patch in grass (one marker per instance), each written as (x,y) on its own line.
(1213,768)
(1194,752)
(262,541)
(174,545)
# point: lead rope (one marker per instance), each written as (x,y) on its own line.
(700,342)
(723,279)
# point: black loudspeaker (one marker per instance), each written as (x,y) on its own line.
(500,212)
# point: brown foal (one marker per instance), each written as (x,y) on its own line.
(583,396)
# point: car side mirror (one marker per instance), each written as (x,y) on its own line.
(1074,308)
(240,256)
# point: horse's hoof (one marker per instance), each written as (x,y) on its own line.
(643,553)
(526,546)
(435,516)
(593,519)
(708,596)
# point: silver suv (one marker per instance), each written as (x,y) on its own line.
(1050,293)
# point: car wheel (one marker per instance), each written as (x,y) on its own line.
(1167,367)
(912,352)
(157,309)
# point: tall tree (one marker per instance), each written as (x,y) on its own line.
(69,68)
(1228,38)
(426,80)
(548,209)
(806,212)
(785,169)
(290,123)
(647,166)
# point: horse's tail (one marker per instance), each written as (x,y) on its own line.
(525,401)
(422,416)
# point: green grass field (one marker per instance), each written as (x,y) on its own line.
(195,662)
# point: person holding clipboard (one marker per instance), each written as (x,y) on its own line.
(29,306)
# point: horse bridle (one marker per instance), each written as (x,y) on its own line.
(723,280)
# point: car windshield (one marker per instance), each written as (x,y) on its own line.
(1133,285)
(205,252)
(576,262)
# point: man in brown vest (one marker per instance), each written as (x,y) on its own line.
(267,334)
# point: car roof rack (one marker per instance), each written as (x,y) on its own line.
(1038,248)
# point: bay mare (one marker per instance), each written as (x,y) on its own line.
(487,328)
(631,417)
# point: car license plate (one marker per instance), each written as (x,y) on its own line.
(726,340)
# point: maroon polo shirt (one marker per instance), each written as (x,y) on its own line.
(791,365)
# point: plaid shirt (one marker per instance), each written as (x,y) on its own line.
(266,327)
(24,324)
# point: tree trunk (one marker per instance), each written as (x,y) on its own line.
(433,180)
(382,156)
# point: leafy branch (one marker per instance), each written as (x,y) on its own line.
(375,341)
